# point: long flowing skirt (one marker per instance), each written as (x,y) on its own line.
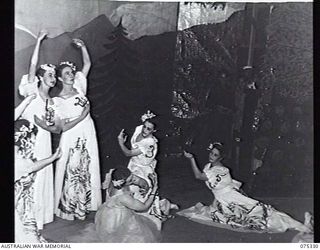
(26,230)
(43,185)
(236,211)
(77,183)
(118,225)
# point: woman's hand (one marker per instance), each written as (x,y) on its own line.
(57,154)
(107,180)
(154,182)
(78,42)
(42,123)
(122,137)
(42,34)
(86,110)
(188,155)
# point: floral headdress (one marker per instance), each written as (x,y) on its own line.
(70,64)
(47,66)
(22,139)
(147,116)
(211,145)
(23,132)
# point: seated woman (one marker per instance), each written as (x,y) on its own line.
(231,207)
(116,220)
(26,167)
(143,151)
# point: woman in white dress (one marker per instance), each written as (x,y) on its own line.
(231,207)
(39,83)
(116,220)
(26,168)
(77,178)
(144,148)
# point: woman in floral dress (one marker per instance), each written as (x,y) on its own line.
(38,82)
(231,207)
(143,151)
(77,179)
(117,220)
(26,168)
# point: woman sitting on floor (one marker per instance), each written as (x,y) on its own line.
(116,220)
(231,207)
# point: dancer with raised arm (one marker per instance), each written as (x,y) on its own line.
(231,208)
(142,163)
(77,179)
(38,82)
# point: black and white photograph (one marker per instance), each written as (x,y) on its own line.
(163,122)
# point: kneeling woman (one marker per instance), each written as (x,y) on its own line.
(231,207)
(116,220)
(26,168)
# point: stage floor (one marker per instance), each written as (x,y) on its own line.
(177,183)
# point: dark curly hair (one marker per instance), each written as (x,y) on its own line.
(120,173)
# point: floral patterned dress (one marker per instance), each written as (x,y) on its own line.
(77,182)
(234,209)
(117,224)
(26,230)
(142,165)
(43,185)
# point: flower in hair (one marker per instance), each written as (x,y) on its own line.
(70,64)
(48,66)
(118,183)
(23,132)
(147,116)
(211,145)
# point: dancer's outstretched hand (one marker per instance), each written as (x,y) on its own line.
(122,137)
(188,155)
(78,42)
(42,34)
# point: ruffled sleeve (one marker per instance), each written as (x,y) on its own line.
(80,82)
(27,88)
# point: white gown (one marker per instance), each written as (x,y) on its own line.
(25,228)
(43,186)
(142,165)
(77,177)
(115,223)
(234,210)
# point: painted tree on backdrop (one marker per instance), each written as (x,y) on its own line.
(118,81)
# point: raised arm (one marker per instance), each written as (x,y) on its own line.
(197,173)
(85,56)
(22,106)
(127,152)
(34,59)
